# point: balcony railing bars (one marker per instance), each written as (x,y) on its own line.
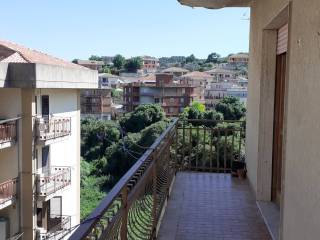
(51,128)
(8,131)
(8,190)
(55,179)
(133,208)
(59,227)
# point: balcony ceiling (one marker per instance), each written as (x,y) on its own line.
(216,4)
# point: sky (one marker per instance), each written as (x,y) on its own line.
(72,29)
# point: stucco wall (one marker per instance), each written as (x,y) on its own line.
(301,201)
(64,103)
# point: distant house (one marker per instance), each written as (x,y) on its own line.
(108,60)
(94,65)
(241,58)
(173,97)
(176,71)
(150,64)
(109,80)
(221,74)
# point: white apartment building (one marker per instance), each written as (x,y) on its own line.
(39,143)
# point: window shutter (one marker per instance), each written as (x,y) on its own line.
(282,44)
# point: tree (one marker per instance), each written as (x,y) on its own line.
(231,108)
(143,116)
(133,64)
(95,58)
(75,61)
(106,69)
(190,59)
(213,57)
(119,61)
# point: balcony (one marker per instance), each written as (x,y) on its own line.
(8,191)
(190,184)
(58,228)
(52,129)
(8,133)
(52,182)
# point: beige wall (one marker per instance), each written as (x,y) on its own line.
(301,202)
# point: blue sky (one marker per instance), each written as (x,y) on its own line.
(76,29)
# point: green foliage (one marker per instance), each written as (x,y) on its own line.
(231,108)
(95,58)
(190,59)
(119,61)
(133,64)
(106,69)
(213,57)
(199,106)
(143,116)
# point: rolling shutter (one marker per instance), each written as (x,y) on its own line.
(282,44)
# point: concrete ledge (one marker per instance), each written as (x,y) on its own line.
(6,144)
(216,4)
(271,215)
(32,75)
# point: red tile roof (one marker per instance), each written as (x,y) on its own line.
(12,52)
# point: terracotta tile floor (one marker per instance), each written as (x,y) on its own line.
(211,206)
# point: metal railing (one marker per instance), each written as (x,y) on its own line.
(53,180)
(59,226)
(133,208)
(8,190)
(52,128)
(8,131)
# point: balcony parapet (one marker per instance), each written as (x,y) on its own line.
(52,128)
(59,227)
(49,183)
(8,192)
(8,133)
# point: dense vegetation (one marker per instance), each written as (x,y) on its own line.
(109,149)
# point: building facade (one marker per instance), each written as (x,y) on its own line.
(172,97)
(39,143)
(91,64)
(150,64)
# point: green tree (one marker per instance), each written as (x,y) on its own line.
(119,61)
(213,57)
(133,64)
(141,117)
(95,58)
(231,108)
(190,59)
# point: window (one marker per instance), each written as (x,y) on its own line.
(181,100)
(156,100)
(171,109)
(45,157)
(183,90)
(45,105)
(171,100)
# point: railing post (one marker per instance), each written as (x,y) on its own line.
(154,195)
(125,210)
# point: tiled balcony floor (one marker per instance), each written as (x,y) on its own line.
(211,206)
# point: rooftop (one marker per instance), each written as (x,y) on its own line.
(215,4)
(90,62)
(15,53)
(175,70)
(197,75)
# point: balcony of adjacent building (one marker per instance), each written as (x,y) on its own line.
(190,184)
(8,192)
(52,129)
(52,182)
(8,132)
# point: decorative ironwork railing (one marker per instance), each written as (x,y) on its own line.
(8,131)
(59,226)
(8,190)
(55,179)
(52,128)
(133,208)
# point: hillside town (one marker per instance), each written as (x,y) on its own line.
(173,85)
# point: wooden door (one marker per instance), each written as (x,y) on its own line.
(278,127)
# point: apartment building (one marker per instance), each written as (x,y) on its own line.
(240,58)
(221,74)
(39,143)
(96,103)
(107,80)
(150,64)
(94,65)
(173,97)
(176,71)
(282,129)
